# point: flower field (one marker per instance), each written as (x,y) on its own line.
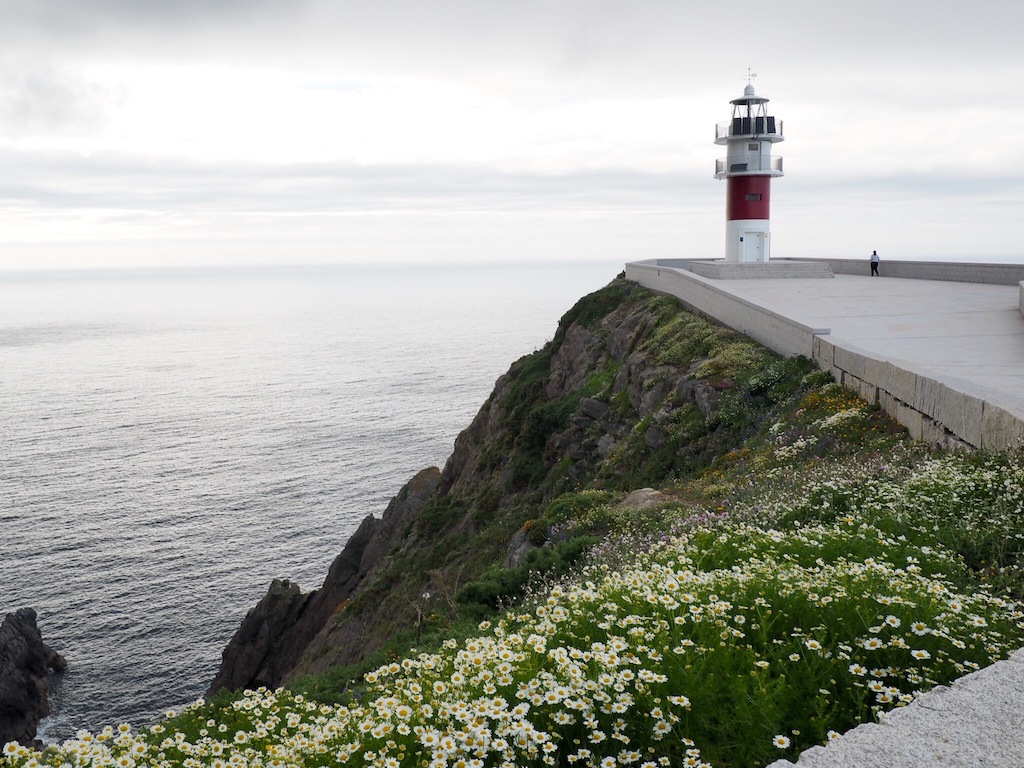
(729,644)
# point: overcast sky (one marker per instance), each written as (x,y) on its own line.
(156,132)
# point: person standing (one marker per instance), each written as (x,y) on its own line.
(874,263)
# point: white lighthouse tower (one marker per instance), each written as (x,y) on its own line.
(749,168)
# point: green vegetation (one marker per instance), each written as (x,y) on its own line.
(804,568)
(497,585)
(592,309)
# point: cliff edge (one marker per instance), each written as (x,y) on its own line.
(278,631)
(25,662)
(626,395)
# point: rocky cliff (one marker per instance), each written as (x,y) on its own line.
(25,662)
(280,630)
(632,391)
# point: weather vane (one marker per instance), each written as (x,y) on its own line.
(750,75)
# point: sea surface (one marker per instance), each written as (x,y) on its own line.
(171,441)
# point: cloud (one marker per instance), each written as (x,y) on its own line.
(86,19)
(125,120)
(645,44)
(42,99)
(120,182)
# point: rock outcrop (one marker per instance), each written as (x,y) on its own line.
(253,658)
(25,662)
(280,630)
(580,351)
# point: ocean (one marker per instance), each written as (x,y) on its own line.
(171,441)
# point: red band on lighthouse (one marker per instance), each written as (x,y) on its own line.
(748,197)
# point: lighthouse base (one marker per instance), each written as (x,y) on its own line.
(779,269)
(747,240)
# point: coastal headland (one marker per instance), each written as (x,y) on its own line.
(654,530)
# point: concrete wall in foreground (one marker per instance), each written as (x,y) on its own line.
(958,272)
(975,721)
(934,411)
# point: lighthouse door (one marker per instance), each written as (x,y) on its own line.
(755,246)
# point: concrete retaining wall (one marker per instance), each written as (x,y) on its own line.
(934,411)
(959,272)
(773,270)
(785,336)
(931,410)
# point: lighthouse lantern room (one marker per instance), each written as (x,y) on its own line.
(748,168)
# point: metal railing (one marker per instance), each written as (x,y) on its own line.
(747,126)
(756,164)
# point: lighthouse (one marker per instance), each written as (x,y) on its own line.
(748,169)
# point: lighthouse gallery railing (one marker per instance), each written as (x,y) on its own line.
(752,165)
(746,126)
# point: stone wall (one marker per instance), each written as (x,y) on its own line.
(957,272)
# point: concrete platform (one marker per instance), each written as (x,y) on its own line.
(969,333)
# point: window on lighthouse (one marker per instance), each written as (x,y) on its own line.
(753,196)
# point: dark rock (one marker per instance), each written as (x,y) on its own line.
(618,430)
(518,549)
(595,409)
(605,444)
(706,398)
(25,661)
(702,393)
(583,351)
(651,400)
(350,570)
(251,658)
(655,437)
(563,444)
(621,380)
(571,363)
(628,334)
(279,631)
